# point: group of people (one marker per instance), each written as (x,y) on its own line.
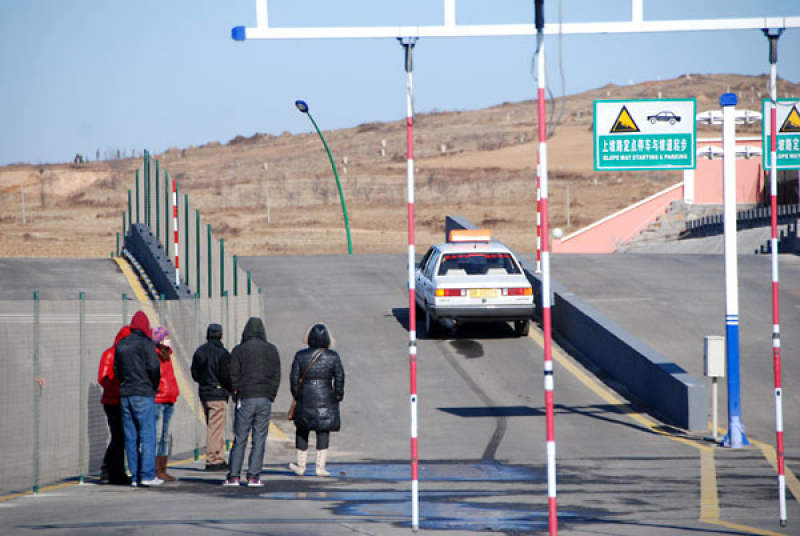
(138,391)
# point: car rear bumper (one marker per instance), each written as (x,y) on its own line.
(484,313)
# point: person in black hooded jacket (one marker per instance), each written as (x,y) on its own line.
(317,383)
(255,374)
(210,369)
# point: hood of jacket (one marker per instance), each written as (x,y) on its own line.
(122,333)
(141,323)
(213,332)
(254,329)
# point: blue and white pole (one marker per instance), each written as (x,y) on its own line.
(735,437)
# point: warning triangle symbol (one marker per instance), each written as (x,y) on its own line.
(792,123)
(624,122)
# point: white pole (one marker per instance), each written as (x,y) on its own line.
(736,437)
(714,407)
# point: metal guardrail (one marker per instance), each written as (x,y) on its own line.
(749,218)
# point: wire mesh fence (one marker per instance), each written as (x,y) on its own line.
(53,424)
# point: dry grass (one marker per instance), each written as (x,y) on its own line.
(486,174)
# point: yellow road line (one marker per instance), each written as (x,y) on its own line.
(709,502)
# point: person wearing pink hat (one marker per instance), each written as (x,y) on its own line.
(165,400)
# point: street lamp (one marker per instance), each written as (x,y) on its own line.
(303,107)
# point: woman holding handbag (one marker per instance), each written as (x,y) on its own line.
(317,384)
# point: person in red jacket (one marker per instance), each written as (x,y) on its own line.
(113,470)
(165,400)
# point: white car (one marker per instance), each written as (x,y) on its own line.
(472,278)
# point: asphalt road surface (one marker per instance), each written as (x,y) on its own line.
(482,438)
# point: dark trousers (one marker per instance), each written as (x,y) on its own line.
(301,439)
(114,460)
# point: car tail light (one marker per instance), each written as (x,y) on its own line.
(521,291)
(450,292)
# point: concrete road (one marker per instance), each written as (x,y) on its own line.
(482,440)
(61,279)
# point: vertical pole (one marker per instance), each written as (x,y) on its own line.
(124,308)
(137,197)
(116,251)
(82,422)
(195,316)
(235,275)
(210,279)
(158,209)
(714,407)
(167,210)
(147,201)
(552,508)
(197,250)
(130,214)
(175,229)
(221,266)
(735,437)
(186,235)
(776,325)
(249,283)
(124,228)
(538,216)
(408,46)
(37,393)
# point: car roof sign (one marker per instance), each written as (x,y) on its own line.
(469,235)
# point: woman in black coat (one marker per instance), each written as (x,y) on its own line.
(317,384)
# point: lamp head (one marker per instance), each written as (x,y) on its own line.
(301,105)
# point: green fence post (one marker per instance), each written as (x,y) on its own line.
(197,391)
(117,251)
(235,275)
(130,214)
(82,420)
(37,392)
(148,193)
(249,283)
(210,281)
(137,198)
(186,235)
(124,308)
(222,266)
(197,247)
(158,208)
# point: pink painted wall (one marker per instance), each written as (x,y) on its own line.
(607,234)
(708,177)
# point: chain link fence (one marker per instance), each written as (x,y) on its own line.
(53,424)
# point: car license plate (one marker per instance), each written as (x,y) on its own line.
(483,293)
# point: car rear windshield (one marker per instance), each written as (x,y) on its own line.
(477,264)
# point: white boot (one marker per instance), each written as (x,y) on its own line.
(322,458)
(300,467)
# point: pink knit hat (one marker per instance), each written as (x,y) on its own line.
(159,334)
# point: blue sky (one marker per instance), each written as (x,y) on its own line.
(84,75)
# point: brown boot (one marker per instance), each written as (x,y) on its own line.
(161,469)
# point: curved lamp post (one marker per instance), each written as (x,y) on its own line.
(303,107)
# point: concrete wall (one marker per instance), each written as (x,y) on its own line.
(606,235)
(643,374)
(708,176)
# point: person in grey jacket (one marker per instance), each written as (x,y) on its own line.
(255,373)
(317,383)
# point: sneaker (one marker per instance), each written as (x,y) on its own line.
(254,482)
(134,484)
(232,481)
(154,482)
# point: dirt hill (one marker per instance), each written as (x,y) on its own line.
(478,164)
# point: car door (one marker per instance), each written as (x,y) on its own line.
(420,278)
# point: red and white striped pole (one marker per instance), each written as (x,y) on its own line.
(538,219)
(408,46)
(776,325)
(552,508)
(175,230)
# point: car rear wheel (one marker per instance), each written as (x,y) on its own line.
(431,325)
(521,328)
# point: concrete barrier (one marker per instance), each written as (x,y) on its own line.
(640,372)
